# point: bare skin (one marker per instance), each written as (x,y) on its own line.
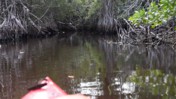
(75,96)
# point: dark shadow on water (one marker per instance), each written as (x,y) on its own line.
(95,66)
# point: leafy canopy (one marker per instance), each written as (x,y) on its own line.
(80,9)
(155,14)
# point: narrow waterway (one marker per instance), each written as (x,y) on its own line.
(94,66)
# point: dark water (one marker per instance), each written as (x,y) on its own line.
(98,67)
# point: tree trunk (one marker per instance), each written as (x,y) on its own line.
(106,18)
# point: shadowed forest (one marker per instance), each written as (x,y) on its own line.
(131,21)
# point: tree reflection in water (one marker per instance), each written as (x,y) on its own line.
(154,79)
(155,82)
(98,67)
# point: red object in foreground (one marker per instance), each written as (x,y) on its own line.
(47,89)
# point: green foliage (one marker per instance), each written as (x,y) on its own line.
(138,17)
(94,6)
(74,11)
(77,9)
(155,14)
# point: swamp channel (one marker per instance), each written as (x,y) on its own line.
(95,66)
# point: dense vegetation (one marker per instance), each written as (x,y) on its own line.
(156,14)
(157,22)
(133,21)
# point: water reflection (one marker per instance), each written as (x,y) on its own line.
(123,87)
(95,66)
(93,88)
(155,82)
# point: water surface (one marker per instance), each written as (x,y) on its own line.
(94,66)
